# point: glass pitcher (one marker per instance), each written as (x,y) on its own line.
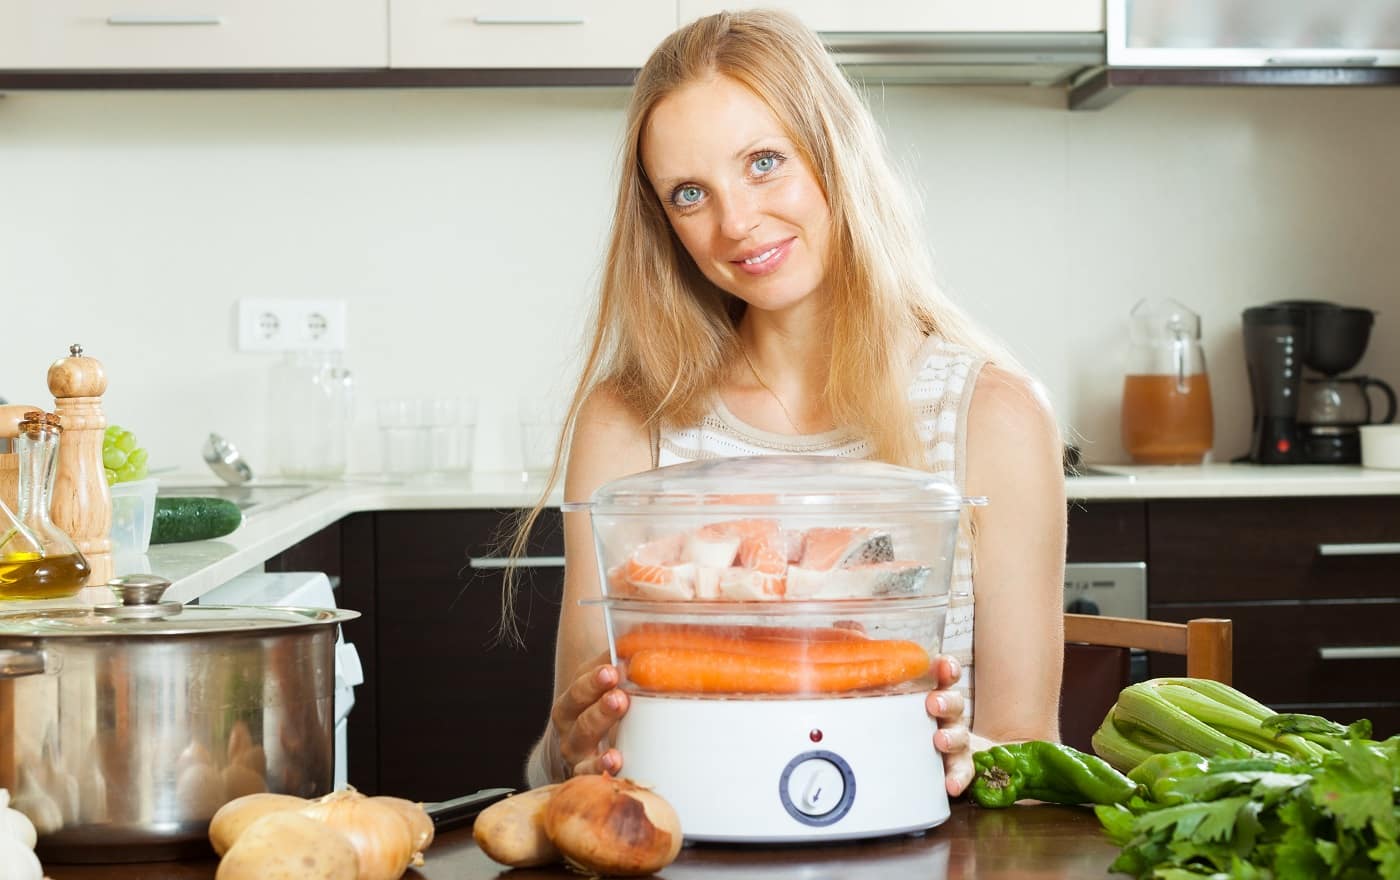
(311,407)
(37,560)
(1166,396)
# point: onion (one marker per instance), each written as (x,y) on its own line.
(234,817)
(15,823)
(381,837)
(419,823)
(612,826)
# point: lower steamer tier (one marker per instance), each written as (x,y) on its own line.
(783,771)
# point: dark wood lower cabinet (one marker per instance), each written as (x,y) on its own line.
(450,704)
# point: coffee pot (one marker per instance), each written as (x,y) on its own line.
(1344,401)
(1166,415)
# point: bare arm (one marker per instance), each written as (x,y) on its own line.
(609,442)
(1014,458)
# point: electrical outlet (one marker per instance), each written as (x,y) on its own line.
(291,325)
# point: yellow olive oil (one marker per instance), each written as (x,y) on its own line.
(32,576)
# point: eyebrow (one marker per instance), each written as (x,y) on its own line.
(670,183)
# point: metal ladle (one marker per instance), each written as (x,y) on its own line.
(223,459)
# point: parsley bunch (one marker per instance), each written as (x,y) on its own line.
(1270,818)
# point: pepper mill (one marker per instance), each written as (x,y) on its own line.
(82,506)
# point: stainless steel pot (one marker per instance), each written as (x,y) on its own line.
(124,727)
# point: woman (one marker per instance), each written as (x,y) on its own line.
(766,290)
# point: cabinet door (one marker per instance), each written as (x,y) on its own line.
(527,33)
(458,707)
(183,34)
(931,15)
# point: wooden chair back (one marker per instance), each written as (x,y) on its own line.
(1097,662)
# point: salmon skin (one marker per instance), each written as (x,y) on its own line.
(826,548)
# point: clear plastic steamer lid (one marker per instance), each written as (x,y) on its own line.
(762,528)
(777,483)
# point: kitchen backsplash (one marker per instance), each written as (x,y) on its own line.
(464,230)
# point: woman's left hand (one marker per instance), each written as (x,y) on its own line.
(952,739)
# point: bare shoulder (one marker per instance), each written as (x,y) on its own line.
(610,440)
(1012,433)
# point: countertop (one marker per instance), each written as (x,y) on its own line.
(197,567)
(1041,841)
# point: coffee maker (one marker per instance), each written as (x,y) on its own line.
(1309,417)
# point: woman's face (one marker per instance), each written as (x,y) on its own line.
(747,208)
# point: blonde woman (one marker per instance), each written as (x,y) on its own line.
(766,289)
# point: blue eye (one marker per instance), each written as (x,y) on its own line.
(686,196)
(765,163)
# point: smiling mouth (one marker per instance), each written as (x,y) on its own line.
(761,258)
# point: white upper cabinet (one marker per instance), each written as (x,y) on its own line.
(527,33)
(192,34)
(949,16)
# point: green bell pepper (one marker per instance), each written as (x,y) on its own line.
(1045,771)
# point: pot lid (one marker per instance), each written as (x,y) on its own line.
(766,483)
(139,611)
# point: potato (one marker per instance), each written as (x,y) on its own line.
(512,831)
(289,846)
(236,816)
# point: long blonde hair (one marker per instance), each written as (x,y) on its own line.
(664,337)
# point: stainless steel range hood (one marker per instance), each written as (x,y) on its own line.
(1039,59)
(1243,43)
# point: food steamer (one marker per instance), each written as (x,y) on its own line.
(775,619)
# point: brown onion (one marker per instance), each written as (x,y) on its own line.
(234,817)
(612,826)
(419,822)
(381,837)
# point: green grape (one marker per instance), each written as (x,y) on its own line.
(122,459)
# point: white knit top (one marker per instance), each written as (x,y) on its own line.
(940,392)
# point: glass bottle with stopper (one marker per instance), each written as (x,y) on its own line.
(37,559)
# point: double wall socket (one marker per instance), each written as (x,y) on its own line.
(291,325)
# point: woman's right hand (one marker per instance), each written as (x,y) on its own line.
(584,716)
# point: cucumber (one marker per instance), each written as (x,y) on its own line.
(194,519)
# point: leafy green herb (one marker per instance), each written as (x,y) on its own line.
(1273,817)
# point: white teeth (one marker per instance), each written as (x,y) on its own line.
(761,258)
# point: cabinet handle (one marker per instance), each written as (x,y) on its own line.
(1364,652)
(162,20)
(493,562)
(528,20)
(1383,548)
(19,663)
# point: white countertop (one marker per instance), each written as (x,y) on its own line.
(197,567)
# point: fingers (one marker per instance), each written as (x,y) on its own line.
(945,705)
(958,771)
(584,714)
(949,670)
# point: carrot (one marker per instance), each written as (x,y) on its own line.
(680,670)
(721,642)
(669,635)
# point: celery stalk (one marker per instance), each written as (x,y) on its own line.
(1121,752)
(1141,704)
(1222,693)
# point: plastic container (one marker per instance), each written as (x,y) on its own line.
(776,576)
(133,514)
(1380,446)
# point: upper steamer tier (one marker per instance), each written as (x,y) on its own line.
(776,575)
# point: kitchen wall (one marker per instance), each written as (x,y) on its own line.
(464,230)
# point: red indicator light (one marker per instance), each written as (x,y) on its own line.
(1283,446)
(815,736)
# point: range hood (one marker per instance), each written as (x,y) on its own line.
(1243,43)
(982,58)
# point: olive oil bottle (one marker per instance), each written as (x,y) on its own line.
(37,560)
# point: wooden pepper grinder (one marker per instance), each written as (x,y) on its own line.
(82,506)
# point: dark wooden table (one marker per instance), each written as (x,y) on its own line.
(1024,841)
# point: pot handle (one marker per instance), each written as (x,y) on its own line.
(17,664)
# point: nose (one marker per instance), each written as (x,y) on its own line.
(739,213)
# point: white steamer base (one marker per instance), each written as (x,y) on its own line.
(778,771)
